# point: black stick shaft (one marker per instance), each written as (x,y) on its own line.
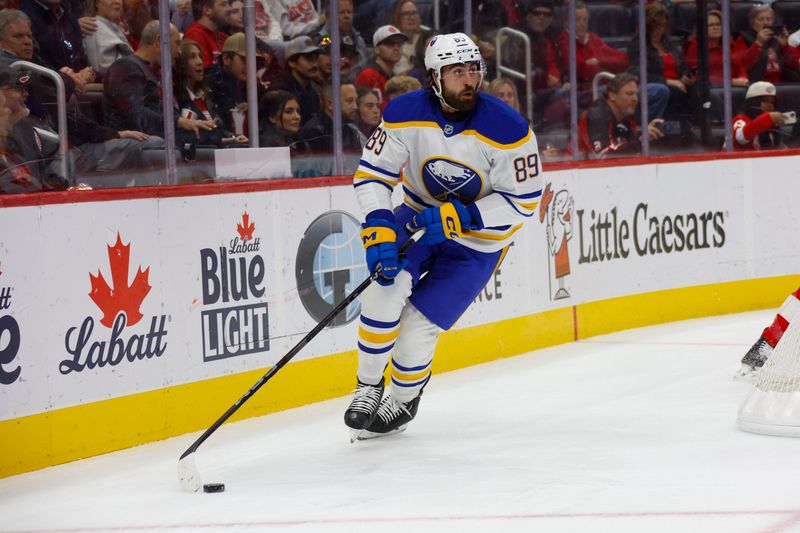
(288,357)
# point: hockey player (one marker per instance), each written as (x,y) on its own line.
(757,355)
(471,176)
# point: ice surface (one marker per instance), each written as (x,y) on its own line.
(630,432)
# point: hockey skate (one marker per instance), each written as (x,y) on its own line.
(754,359)
(393,417)
(363,408)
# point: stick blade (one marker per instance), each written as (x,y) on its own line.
(188,476)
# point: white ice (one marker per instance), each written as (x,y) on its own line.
(630,432)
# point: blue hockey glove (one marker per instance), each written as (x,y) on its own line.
(448,221)
(379,237)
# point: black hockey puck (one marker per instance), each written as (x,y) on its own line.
(214,487)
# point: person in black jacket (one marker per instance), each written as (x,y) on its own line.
(301,75)
(318,132)
(58,35)
(23,162)
(608,128)
(280,121)
(226,81)
(132,88)
(93,148)
(17,43)
(192,98)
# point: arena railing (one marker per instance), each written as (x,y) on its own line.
(527,74)
(61,106)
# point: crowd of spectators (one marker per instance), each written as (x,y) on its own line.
(108,55)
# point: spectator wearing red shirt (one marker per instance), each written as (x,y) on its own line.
(551,102)
(765,53)
(738,73)
(387,42)
(209,16)
(665,65)
(754,127)
(592,54)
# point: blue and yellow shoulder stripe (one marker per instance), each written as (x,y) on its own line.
(493,122)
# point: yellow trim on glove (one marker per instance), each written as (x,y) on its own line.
(450,221)
(377,235)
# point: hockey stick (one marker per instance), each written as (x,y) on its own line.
(187,470)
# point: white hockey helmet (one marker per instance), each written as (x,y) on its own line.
(450,49)
(760,88)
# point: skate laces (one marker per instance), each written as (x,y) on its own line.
(365,398)
(391,409)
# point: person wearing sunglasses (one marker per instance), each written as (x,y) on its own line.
(551,100)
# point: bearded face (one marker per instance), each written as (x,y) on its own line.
(463,100)
(460,86)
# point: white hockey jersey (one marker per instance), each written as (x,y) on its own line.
(490,159)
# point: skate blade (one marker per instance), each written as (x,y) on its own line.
(367,435)
(355,434)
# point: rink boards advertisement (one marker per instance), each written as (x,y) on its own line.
(112,299)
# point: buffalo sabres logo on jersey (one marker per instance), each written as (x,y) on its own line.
(446,179)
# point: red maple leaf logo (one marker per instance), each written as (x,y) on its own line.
(122,297)
(246,228)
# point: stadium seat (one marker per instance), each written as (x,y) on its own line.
(718,103)
(788,97)
(739,12)
(556,138)
(684,19)
(717,112)
(788,13)
(425,8)
(612,22)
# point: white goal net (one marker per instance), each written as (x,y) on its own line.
(773,405)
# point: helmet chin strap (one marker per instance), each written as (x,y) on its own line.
(437,90)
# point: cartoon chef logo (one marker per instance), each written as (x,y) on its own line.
(447,179)
(557,213)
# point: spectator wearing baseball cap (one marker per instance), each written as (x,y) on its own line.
(302,75)
(351,37)
(348,59)
(226,79)
(23,164)
(387,42)
(15,85)
(756,127)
